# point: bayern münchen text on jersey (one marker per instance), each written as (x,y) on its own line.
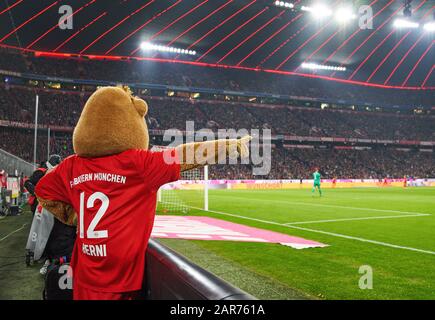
(98,176)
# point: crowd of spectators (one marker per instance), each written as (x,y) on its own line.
(53,108)
(57,108)
(286,163)
(218,78)
(342,164)
(19,142)
(61,108)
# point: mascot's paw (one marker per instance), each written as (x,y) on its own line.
(239,148)
(60,210)
(243,146)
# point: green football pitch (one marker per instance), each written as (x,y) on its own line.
(391,230)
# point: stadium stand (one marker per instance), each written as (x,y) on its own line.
(60,109)
(63,109)
(286,162)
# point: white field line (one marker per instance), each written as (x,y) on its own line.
(323,205)
(11,233)
(333,220)
(364,218)
(338,235)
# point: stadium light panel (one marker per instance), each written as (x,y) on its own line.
(315,66)
(430,26)
(154,47)
(283,4)
(402,23)
(318,10)
(344,15)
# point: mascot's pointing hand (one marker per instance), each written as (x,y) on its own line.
(243,146)
(239,147)
(197,154)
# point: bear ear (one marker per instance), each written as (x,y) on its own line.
(141,106)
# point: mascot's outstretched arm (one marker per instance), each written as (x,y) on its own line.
(198,154)
(191,155)
(111,122)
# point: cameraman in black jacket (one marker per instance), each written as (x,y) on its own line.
(33,180)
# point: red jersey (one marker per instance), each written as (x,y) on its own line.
(115,201)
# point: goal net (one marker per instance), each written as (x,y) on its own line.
(185,195)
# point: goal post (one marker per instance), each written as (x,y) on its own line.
(205,168)
(187,194)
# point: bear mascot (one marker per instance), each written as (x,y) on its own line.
(108,189)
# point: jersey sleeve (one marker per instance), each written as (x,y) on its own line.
(159,168)
(52,187)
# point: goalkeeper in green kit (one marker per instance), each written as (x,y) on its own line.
(316,176)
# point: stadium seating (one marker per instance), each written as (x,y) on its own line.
(60,111)
(286,163)
(63,109)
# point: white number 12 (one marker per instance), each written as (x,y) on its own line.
(91,233)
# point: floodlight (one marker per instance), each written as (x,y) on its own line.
(161,48)
(284,4)
(403,23)
(344,14)
(315,66)
(430,26)
(318,10)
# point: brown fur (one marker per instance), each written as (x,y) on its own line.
(221,148)
(111,122)
(60,210)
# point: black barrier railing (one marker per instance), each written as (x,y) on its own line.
(170,276)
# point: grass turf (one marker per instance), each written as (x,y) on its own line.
(17,281)
(278,272)
(400,249)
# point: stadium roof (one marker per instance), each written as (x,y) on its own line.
(251,34)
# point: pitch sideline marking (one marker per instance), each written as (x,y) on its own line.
(332,220)
(325,205)
(338,235)
(364,218)
(9,234)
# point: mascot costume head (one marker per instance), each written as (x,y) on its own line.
(111,122)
